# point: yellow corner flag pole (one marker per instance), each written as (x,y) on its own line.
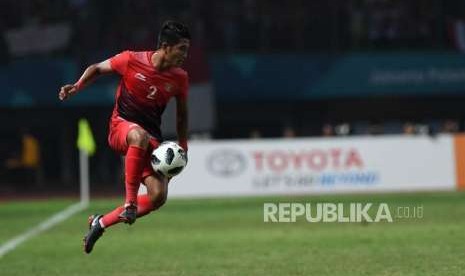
(86,145)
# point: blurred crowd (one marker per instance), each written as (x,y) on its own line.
(238,25)
(431,128)
(361,128)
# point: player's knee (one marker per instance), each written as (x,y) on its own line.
(138,137)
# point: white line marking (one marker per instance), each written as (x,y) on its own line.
(49,223)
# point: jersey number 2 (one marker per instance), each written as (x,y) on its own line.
(152,92)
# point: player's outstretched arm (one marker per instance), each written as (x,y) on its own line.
(89,75)
(182,121)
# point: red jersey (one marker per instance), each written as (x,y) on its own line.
(143,92)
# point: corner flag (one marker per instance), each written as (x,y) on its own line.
(85,141)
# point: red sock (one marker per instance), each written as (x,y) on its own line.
(135,157)
(144,206)
(111,218)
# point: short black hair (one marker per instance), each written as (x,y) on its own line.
(172,32)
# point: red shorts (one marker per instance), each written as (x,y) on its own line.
(119,129)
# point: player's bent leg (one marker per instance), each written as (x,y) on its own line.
(157,193)
(138,141)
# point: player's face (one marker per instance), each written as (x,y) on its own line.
(177,53)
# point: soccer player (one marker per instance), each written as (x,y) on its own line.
(148,81)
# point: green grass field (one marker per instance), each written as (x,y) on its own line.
(229,237)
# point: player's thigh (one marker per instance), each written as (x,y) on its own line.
(117,137)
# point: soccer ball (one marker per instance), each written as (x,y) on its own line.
(169,159)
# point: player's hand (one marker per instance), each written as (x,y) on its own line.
(66,91)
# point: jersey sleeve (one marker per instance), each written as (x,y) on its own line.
(119,62)
(184,88)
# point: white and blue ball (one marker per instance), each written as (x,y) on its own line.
(169,159)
